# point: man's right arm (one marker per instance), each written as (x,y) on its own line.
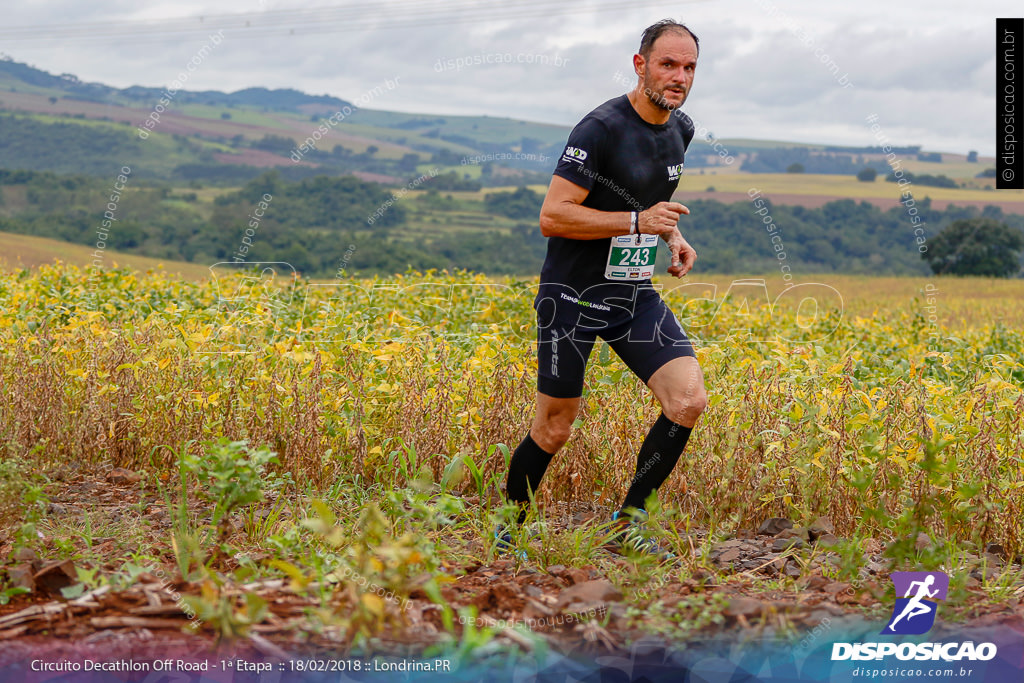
(563,215)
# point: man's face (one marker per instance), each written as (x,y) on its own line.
(668,72)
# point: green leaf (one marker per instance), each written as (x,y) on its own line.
(72,592)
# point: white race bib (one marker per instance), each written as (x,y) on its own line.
(628,260)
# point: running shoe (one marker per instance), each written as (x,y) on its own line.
(505,544)
(629,535)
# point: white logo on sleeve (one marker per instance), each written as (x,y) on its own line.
(675,171)
(574,154)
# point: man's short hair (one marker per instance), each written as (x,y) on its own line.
(655,31)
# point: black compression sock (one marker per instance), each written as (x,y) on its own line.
(658,455)
(529,462)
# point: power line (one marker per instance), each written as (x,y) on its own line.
(353,17)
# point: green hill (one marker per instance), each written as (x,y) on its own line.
(26,251)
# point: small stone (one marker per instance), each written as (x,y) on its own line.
(778,563)
(121,476)
(743,607)
(993,560)
(56,509)
(703,579)
(822,525)
(827,540)
(874,567)
(793,570)
(56,575)
(848,598)
(533,591)
(730,555)
(575,575)
(796,532)
(836,587)
(590,592)
(20,575)
(773,525)
(816,582)
(996,549)
(26,555)
(922,542)
(871,546)
(989,574)
(782,544)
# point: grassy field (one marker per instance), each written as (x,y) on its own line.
(25,251)
(306,438)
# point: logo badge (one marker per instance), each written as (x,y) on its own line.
(574,154)
(675,171)
(914,612)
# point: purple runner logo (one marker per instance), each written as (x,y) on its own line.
(914,612)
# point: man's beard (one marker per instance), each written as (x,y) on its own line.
(657,98)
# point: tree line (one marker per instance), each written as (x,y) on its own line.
(312,222)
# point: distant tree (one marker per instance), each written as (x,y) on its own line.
(53,100)
(976,246)
(867,175)
(225,115)
(923,179)
(522,203)
(278,144)
(371,150)
(795,168)
(408,162)
(972,157)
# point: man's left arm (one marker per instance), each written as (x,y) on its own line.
(683,255)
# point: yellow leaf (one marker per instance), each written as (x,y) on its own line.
(299,580)
(374,603)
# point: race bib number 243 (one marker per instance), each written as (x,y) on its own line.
(628,260)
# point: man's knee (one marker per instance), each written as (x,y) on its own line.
(552,431)
(552,434)
(685,408)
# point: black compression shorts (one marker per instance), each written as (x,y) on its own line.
(645,342)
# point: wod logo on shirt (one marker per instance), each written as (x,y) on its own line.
(675,171)
(574,154)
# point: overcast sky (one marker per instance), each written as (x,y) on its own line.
(927,71)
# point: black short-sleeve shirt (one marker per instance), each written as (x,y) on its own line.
(627,164)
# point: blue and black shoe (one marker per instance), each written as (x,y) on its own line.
(505,545)
(629,536)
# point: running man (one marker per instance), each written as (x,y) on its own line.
(916,607)
(606,208)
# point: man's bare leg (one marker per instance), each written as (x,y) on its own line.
(551,428)
(679,388)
